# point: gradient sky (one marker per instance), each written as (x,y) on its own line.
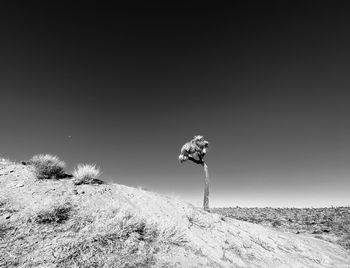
(124,87)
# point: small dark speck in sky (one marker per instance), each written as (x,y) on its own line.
(265,82)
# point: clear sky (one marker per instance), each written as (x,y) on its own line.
(267,83)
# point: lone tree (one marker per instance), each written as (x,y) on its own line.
(195,150)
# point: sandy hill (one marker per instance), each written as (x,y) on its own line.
(54,223)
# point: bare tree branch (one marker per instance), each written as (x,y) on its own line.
(199,162)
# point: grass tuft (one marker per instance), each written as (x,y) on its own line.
(122,241)
(48,166)
(5,161)
(4,228)
(53,215)
(87,174)
(172,235)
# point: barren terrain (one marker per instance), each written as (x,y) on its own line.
(54,223)
(331,224)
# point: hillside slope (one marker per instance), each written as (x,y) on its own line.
(112,225)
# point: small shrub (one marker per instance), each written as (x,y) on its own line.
(345,241)
(48,166)
(143,188)
(3,203)
(87,174)
(56,214)
(4,229)
(320,222)
(5,161)
(276,223)
(6,208)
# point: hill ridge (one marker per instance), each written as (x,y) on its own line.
(187,236)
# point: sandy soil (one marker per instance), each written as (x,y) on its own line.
(205,239)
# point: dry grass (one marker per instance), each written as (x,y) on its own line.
(5,161)
(62,231)
(121,241)
(54,215)
(172,235)
(49,235)
(48,166)
(87,174)
(323,223)
(47,224)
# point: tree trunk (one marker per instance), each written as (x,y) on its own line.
(206,188)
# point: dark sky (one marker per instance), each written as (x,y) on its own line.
(266,82)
